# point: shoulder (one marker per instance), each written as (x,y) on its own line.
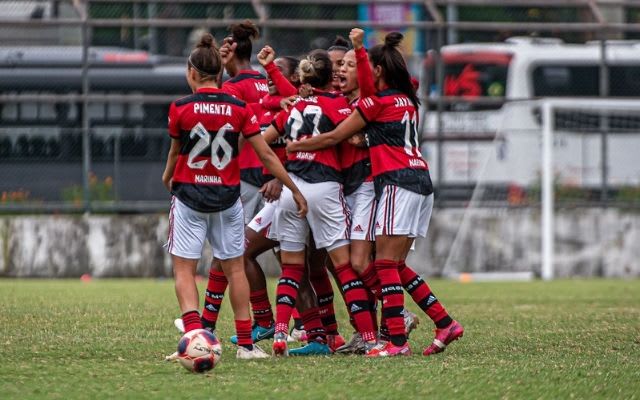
(246,76)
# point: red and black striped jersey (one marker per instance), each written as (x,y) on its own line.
(248,85)
(311,116)
(355,163)
(208,125)
(394,146)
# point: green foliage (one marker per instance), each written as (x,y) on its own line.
(107,339)
(99,190)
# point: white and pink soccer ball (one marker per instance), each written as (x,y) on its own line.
(199,350)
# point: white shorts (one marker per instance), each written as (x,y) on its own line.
(264,218)
(328,217)
(188,230)
(402,212)
(362,204)
(252,200)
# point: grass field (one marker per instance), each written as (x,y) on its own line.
(107,339)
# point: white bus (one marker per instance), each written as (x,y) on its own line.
(486,115)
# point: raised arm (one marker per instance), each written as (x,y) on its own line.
(365,76)
(265,58)
(347,128)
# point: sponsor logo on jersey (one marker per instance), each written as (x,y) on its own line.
(345,111)
(212,108)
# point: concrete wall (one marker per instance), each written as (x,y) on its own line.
(589,242)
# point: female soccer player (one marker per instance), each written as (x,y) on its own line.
(202,173)
(249,86)
(319,175)
(402,183)
(336,54)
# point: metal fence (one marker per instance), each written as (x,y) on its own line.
(85,84)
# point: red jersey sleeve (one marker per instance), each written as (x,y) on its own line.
(271,102)
(369,108)
(365,76)
(285,88)
(250,125)
(174,125)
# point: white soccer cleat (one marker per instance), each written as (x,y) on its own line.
(297,335)
(256,353)
(411,321)
(172,357)
(179,324)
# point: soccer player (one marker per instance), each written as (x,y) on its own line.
(402,184)
(336,53)
(318,173)
(249,86)
(202,174)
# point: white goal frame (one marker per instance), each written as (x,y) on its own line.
(549,106)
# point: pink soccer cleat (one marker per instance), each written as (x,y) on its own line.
(388,349)
(443,337)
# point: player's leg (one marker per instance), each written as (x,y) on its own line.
(330,226)
(187,233)
(292,233)
(226,235)
(307,305)
(447,329)
(396,211)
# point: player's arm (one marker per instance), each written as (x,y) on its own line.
(365,76)
(266,56)
(347,128)
(270,134)
(172,159)
(273,164)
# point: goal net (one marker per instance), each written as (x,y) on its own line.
(550,194)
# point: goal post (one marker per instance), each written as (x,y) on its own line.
(600,116)
(544,193)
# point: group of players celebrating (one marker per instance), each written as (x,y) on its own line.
(319,162)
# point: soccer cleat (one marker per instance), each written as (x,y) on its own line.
(313,348)
(335,341)
(256,353)
(280,344)
(258,333)
(411,321)
(297,335)
(179,324)
(355,345)
(172,357)
(388,349)
(443,337)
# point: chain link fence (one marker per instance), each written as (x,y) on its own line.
(85,84)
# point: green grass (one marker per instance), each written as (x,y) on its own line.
(107,339)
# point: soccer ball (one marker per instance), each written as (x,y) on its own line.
(199,350)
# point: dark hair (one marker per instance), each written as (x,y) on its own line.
(205,58)
(292,64)
(394,68)
(242,34)
(339,43)
(316,69)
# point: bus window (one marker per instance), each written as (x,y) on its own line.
(473,75)
(624,81)
(566,81)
